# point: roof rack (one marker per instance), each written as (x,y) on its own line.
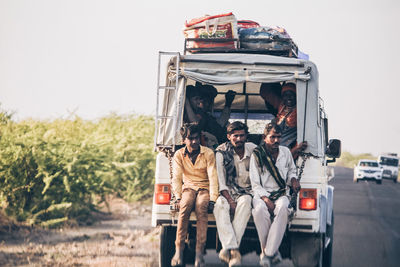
(290,49)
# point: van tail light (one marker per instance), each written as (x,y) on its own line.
(308,199)
(162,194)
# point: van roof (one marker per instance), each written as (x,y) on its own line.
(245,59)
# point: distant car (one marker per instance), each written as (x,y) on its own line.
(367,169)
(389,162)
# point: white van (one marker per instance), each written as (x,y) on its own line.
(309,237)
(390,165)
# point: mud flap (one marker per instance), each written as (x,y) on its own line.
(306,249)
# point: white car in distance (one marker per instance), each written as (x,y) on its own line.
(367,169)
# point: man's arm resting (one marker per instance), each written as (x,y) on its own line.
(177,176)
(255,178)
(295,184)
(189,111)
(292,173)
(226,195)
(232,203)
(298,148)
(269,203)
(219,160)
(212,177)
(269,96)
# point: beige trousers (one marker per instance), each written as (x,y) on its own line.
(230,233)
(197,200)
(270,234)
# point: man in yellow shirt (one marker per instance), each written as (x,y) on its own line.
(195,186)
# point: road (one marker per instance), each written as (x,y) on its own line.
(367,224)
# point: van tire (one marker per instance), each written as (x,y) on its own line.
(167,247)
(327,257)
(379,181)
(189,252)
(306,249)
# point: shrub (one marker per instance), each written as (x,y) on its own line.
(54,171)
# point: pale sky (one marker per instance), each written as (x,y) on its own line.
(94,57)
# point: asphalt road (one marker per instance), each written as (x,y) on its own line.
(367,224)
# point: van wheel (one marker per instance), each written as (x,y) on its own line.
(167,247)
(378,181)
(327,257)
(307,249)
(189,253)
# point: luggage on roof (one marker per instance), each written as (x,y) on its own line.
(245,24)
(224,33)
(219,31)
(265,38)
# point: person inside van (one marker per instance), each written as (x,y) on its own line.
(198,106)
(283,105)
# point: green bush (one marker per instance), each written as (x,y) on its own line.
(54,171)
(349,160)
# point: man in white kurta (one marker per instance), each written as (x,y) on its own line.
(270,202)
(233,207)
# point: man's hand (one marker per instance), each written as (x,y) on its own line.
(270,205)
(211,206)
(229,97)
(232,208)
(300,147)
(177,204)
(231,202)
(295,185)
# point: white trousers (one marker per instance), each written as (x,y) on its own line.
(270,235)
(230,233)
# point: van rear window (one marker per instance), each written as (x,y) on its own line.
(389,161)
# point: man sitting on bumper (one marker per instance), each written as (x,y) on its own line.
(272,170)
(234,202)
(195,185)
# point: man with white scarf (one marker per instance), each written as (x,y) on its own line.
(272,170)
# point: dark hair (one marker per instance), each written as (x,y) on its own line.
(189,129)
(209,92)
(291,85)
(236,126)
(192,91)
(270,126)
(276,87)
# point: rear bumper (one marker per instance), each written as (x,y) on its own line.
(162,216)
(366,176)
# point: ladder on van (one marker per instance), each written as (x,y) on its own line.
(162,119)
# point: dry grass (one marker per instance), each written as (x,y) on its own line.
(124,238)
